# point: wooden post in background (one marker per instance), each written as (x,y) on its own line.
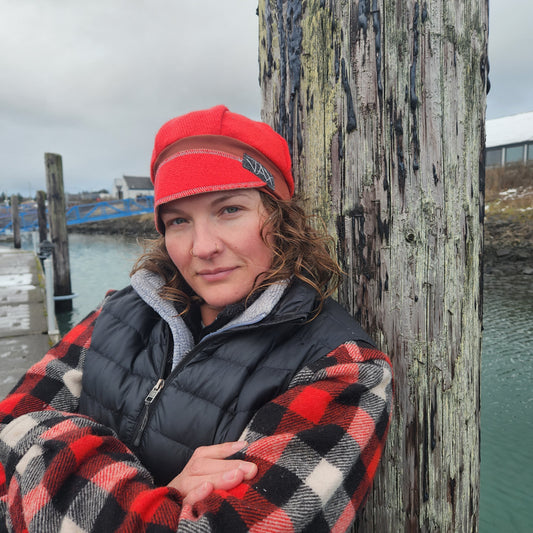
(383,105)
(58,229)
(15,219)
(41,215)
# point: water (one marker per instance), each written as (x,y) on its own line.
(507,406)
(98,263)
(101,262)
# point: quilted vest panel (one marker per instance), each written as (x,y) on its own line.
(210,399)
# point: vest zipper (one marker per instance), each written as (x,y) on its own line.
(152,395)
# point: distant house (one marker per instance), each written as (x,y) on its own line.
(132,187)
(510,140)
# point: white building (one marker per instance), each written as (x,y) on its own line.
(132,187)
(509,140)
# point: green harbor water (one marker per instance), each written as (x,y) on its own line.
(102,262)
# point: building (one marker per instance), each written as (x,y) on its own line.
(510,140)
(132,187)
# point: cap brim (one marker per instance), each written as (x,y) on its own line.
(195,176)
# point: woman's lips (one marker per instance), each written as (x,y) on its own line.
(216,274)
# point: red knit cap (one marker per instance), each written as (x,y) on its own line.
(216,150)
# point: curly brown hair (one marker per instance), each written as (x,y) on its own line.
(299,250)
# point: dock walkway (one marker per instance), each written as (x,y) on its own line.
(23,323)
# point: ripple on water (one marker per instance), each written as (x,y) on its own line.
(507,406)
(98,263)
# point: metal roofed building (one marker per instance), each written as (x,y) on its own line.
(509,140)
(132,187)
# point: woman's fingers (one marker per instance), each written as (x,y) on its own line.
(211,460)
(205,466)
(208,469)
(220,451)
(198,494)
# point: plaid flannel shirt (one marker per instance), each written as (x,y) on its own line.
(316,446)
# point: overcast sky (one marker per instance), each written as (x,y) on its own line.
(93,80)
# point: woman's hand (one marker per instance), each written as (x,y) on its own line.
(208,470)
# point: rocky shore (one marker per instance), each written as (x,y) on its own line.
(134,226)
(508,240)
(508,244)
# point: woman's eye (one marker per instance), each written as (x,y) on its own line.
(175,221)
(231,209)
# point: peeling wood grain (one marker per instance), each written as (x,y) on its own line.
(383,105)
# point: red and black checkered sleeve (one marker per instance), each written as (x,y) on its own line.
(317,447)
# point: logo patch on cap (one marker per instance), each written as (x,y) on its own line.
(258,170)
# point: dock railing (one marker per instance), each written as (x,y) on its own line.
(80,213)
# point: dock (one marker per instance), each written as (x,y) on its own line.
(24,335)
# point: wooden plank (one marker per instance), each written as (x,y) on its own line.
(41,216)
(58,229)
(23,327)
(383,105)
(15,218)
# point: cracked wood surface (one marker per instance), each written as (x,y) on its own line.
(383,104)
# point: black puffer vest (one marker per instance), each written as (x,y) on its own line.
(213,393)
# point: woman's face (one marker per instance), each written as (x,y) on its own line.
(215,241)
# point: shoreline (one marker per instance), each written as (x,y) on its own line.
(132,226)
(508,240)
(508,245)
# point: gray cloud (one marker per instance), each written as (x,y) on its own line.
(94,80)
(511,65)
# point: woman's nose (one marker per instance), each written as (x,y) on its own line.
(205,243)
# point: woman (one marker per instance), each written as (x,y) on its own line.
(223,390)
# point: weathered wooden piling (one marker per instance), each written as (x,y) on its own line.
(58,230)
(383,105)
(15,219)
(41,216)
